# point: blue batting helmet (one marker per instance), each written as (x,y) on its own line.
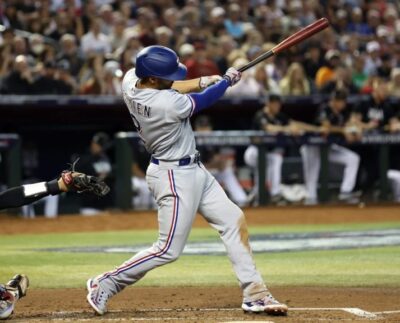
(161,62)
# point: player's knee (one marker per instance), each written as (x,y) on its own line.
(171,255)
(354,159)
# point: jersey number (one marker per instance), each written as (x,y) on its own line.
(138,127)
(136,124)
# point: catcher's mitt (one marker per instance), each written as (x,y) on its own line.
(80,182)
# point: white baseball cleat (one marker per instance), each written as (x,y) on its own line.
(97,296)
(267,304)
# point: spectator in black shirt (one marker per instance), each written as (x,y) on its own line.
(20,80)
(342,80)
(373,115)
(69,51)
(95,163)
(314,60)
(375,112)
(333,118)
(271,120)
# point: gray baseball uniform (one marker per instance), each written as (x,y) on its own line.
(180,189)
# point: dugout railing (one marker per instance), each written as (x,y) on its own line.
(124,158)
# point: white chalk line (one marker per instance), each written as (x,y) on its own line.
(352,310)
(386,312)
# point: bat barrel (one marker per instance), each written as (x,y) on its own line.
(297,37)
(302,34)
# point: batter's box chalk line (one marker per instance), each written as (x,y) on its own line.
(352,310)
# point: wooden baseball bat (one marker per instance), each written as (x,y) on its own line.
(294,39)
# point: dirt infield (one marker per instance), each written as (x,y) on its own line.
(212,304)
(209,304)
(148,220)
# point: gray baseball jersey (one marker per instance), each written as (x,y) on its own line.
(161,118)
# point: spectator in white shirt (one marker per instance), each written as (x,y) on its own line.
(94,42)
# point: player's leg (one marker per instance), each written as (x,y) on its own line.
(394,177)
(351,162)
(143,198)
(178,193)
(274,172)
(228,219)
(228,178)
(310,156)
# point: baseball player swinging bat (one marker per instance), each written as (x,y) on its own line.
(292,40)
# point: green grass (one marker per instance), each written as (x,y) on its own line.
(354,267)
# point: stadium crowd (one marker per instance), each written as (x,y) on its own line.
(84,47)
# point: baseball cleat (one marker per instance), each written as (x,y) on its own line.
(97,296)
(268,305)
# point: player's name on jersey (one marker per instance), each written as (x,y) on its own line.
(142,109)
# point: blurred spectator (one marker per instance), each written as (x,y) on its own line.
(359,77)
(64,24)
(375,111)
(164,36)
(229,29)
(20,80)
(332,115)
(9,17)
(357,25)
(107,19)
(295,81)
(373,60)
(112,79)
(94,42)
(216,20)
(386,66)
(127,54)
(271,120)
(373,114)
(186,52)
(95,163)
(326,72)
(219,165)
(200,64)
(342,80)
(20,46)
(70,53)
(117,36)
(267,84)
(36,45)
(313,61)
(233,23)
(394,84)
(56,79)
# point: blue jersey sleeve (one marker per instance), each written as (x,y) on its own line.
(209,96)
